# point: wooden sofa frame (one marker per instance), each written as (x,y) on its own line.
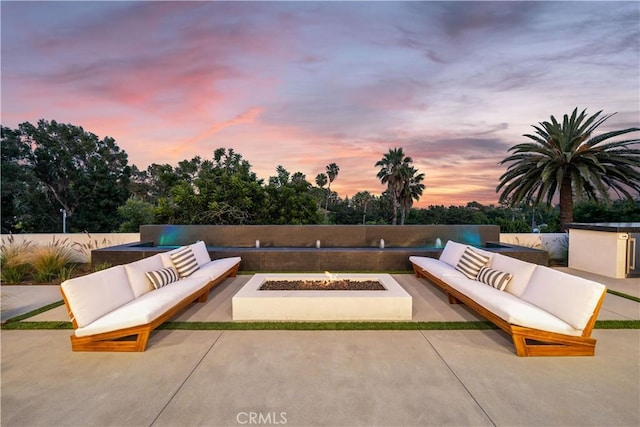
(527,341)
(117,340)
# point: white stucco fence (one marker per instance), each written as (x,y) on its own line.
(557,244)
(81,244)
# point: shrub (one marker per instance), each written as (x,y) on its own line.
(48,261)
(101,266)
(14,261)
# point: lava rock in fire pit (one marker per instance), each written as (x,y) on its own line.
(322,285)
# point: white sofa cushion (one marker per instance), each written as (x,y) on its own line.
(201,253)
(92,296)
(471,262)
(520,270)
(452,252)
(436,267)
(572,299)
(166,256)
(184,261)
(213,269)
(511,308)
(144,309)
(138,280)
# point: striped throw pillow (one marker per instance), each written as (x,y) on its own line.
(471,262)
(184,261)
(163,277)
(495,278)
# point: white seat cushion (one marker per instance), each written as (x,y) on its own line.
(439,269)
(92,296)
(511,308)
(136,272)
(213,269)
(144,309)
(572,299)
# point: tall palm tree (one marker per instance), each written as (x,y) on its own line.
(321,180)
(412,188)
(390,173)
(564,158)
(332,172)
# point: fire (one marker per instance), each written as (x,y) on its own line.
(331,277)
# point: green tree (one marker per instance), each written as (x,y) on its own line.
(565,159)
(391,171)
(86,176)
(26,203)
(361,200)
(412,188)
(135,213)
(332,171)
(288,201)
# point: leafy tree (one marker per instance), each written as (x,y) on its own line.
(135,213)
(565,158)
(229,191)
(26,204)
(361,200)
(288,201)
(75,171)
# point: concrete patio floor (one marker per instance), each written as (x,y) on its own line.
(319,378)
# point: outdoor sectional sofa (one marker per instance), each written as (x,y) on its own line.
(546,312)
(117,308)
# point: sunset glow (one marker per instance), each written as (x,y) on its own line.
(305,84)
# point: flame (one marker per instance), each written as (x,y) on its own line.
(331,276)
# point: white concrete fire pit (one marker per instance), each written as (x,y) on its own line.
(251,303)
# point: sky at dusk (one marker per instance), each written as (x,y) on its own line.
(305,84)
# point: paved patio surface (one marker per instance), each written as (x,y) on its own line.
(319,378)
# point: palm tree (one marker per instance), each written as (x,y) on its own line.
(390,173)
(332,172)
(321,180)
(565,158)
(412,188)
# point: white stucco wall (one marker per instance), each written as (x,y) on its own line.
(80,243)
(557,244)
(598,252)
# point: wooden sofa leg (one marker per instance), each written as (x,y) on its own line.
(453,300)
(520,343)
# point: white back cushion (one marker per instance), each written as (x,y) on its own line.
(452,252)
(520,270)
(136,272)
(166,257)
(94,295)
(199,249)
(570,298)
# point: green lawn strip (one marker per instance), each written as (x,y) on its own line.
(617,324)
(317,326)
(36,325)
(35,312)
(623,295)
(325,326)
